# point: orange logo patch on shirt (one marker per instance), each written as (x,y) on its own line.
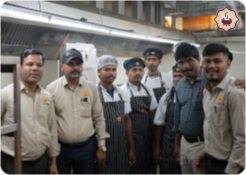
(164,83)
(137,63)
(119,119)
(221,98)
(45,99)
(152,53)
(121,95)
(146,92)
(143,110)
(86,94)
(177,69)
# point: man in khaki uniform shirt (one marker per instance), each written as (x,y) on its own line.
(38,120)
(79,115)
(224,123)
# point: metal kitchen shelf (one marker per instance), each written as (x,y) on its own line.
(9,64)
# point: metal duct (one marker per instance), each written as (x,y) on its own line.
(171,3)
(17,37)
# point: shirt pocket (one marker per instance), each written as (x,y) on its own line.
(43,113)
(223,121)
(60,106)
(85,110)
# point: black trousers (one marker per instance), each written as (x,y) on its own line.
(217,167)
(39,166)
(80,159)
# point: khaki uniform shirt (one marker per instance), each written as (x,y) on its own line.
(38,123)
(79,112)
(224,123)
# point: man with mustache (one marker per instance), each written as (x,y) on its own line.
(79,116)
(143,104)
(164,121)
(159,82)
(189,115)
(116,108)
(224,123)
(38,120)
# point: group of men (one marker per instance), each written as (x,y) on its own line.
(189,122)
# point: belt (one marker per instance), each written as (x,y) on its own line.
(194,139)
(76,145)
(217,161)
(24,161)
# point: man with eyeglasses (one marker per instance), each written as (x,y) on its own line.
(80,116)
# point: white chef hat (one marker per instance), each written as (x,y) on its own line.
(107,60)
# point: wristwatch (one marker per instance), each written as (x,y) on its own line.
(103,148)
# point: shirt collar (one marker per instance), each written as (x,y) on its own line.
(134,86)
(103,88)
(153,76)
(23,87)
(222,85)
(64,81)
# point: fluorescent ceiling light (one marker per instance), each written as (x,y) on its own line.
(29,15)
(128,34)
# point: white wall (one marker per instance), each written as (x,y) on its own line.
(237,68)
(49,74)
(50,67)
(6,79)
(166,65)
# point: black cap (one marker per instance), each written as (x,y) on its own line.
(71,54)
(175,68)
(153,51)
(128,64)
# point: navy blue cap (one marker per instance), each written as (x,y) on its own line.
(175,68)
(130,63)
(153,51)
(71,54)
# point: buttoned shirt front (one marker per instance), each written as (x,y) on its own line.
(189,113)
(224,123)
(117,91)
(141,92)
(160,114)
(79,112)
(38,123)
(155,81)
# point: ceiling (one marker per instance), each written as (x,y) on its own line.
(17,37)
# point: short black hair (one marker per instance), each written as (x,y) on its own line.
(28,52)
(186,50)
(213,48)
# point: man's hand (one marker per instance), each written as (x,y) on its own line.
(200,161)
(157,154)
(101,158)
(239,83)
(53,166)
(132,158)
(177,153)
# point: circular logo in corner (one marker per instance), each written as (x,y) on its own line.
(226,19)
